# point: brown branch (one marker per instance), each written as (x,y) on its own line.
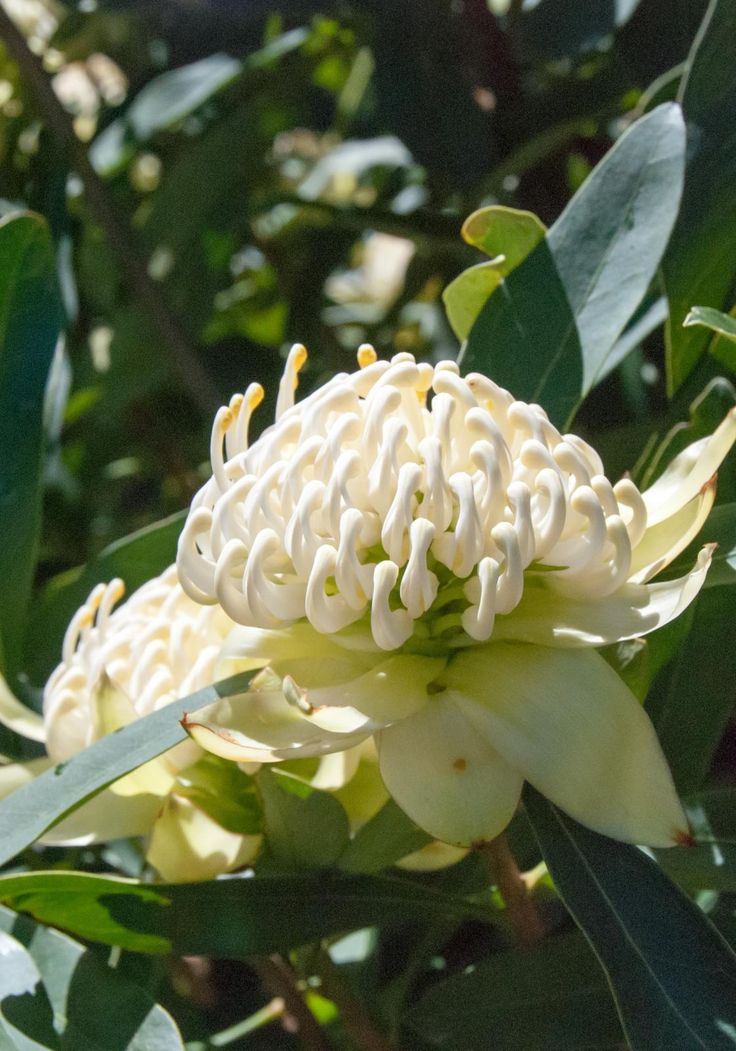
(280,980)
(526,923)
(119,235)
(356,1020)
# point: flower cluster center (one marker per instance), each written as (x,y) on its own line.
(393,490)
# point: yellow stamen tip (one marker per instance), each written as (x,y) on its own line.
(299,352)
(116,589)
(366,355)
(257,395)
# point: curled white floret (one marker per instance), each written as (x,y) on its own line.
(398,491)
(120,664)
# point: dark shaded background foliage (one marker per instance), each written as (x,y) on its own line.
(245,155)
(233,210)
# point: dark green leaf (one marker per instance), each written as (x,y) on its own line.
(525,338)
(30,320)
(25,1011)
(555,996)
(35,807)
(232,917)
(303,830)
(692,702)
(673,976)
(608,242)
(651,314)
(549,329)
(388,836)
(125,1017)
(700,263)
(555,29)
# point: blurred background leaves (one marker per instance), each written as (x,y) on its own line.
(219,180)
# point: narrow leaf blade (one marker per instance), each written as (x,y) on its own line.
(35,807)
(673,976)
(30,320)
(231,917)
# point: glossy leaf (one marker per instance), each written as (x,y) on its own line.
(700,264)
(608,242)
(554,996)
(30,321)
(673,976)
(526,339)
(35,807)
(548,331)
(169,98)
(124,1018)
(232,917)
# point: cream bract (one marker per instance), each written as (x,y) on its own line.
(413,553)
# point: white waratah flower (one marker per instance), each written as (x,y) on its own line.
(119,665)
(422,558)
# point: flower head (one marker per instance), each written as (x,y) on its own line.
(119,664)
(416,555)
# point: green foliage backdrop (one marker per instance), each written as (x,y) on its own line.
(189,187)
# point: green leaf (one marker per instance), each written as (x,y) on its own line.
(232,917)
(548,331)
(556,29)
(673,976)
(135,559)
(465,297)
(554,996)
(510,232)
(692,703)
(505,234)
(608,242)
(525,338)
(700,263)
(383,840)
(30,321)
(707,867)
(125,1016)
(35,807)
(26,1019)
(715,320)
(167,99)
(304,828)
